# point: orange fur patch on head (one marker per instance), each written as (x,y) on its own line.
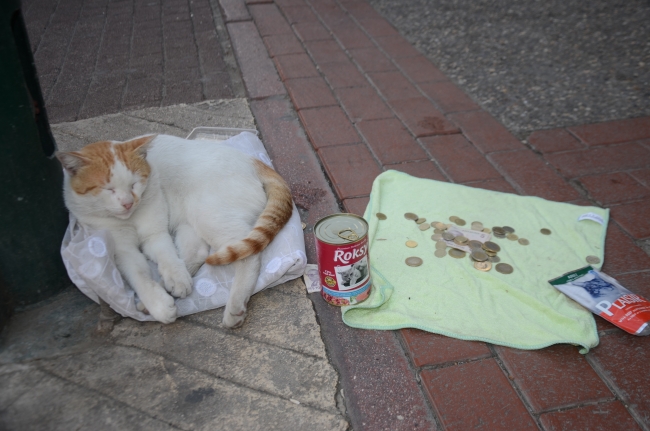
(96,171)
(132,154)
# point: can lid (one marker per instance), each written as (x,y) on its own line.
(341,229)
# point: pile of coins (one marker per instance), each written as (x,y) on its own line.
(482,254)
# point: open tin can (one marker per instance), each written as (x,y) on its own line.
(342,248)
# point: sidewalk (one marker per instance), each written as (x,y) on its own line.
(339,96)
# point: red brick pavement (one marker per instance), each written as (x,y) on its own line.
(106,56)
(368,101)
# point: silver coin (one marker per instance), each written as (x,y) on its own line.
(593,260)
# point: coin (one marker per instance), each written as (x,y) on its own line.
(458,254)
(504,268)
(439,225)
(491,246)
(413,261)
(487,230)
(440,245)
(483,266)
(453,219)
(381,216)
(436,236)
(410,216)
(479,255)
(490,253)
(475,244)
(448,236)
(494,259)
(304,225)
(477,225)
(424,226)
(512,236)
(498,230)
(440,253)
(460,222)
(461,240)
(420,220)
(545,231)
(593,260)
(508,229)
(438,231)
(412,244)
(523,241)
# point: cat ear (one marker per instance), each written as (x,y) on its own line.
(141,145)
(72,161)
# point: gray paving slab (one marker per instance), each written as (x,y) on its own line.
(536,64)
(58,373)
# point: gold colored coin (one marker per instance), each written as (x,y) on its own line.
(436,236)
(483,266)
(494,259)
(455,253)
(490,253)
(413,261)
(410,216)
(512,236)
(424,226)
(479,255)
(545,231)
(504,268)
(487,230)
(460,222)
(448,236)
(593,260)
(453,219)
(440,245)
(420,220)
(304,225)
(440,225)
(491,246)
(412,244)
(440,253)
(523,241)
(498,230)
(477,225)
(508,229)
(381,216)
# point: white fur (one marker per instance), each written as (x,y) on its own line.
(204,194)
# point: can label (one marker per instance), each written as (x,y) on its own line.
(342,247)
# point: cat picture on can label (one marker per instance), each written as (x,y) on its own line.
(351,276)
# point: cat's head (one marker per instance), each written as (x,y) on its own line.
(107,178)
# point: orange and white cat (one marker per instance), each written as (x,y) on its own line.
(171,200)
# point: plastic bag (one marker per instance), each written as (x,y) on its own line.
(606,297)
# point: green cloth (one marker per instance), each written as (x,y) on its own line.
(449,296)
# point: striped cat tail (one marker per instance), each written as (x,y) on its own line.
(275,215)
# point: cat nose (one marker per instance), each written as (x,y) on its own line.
(128,205)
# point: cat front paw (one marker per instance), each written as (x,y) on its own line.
(177,280)
(233,320)
(159,303)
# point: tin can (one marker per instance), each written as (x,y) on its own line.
(342,248)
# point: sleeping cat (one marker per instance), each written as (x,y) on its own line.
(171,199)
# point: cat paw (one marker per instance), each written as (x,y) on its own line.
(162,307)
(177,280)
(233,321)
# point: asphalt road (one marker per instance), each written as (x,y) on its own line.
(537,64)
